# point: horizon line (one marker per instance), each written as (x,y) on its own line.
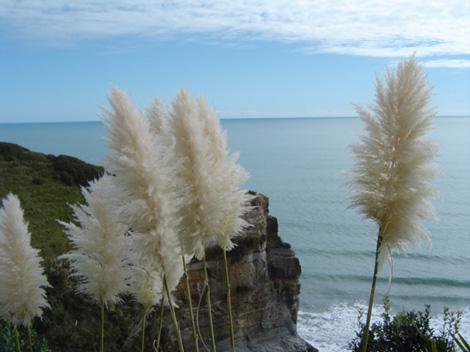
(230,118)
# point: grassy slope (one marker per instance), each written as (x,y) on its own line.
(45,185)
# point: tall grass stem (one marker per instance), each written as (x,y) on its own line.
(229,301)
(30,339)
(209,305)
(17,339)
(160,323)
(372,294)
(102,326)
(173,315)
(142,344)
(188,291)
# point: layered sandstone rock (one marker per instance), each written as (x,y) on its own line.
(264,275)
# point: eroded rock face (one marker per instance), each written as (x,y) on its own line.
(264,276)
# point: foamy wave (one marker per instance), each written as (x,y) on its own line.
(334,329)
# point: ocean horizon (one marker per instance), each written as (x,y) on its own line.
(299,163)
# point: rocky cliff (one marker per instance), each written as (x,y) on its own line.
(264,275)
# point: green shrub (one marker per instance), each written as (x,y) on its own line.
(408,332)
(8,341)
(463,344)
(73,171)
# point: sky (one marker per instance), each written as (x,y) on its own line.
(59,59)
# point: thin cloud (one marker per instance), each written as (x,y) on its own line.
(378,28)
(448,63)
(252,113)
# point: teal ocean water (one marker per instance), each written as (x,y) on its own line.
(298,164)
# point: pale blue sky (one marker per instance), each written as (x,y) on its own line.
(263,58)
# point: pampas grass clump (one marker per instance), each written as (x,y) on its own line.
(211,179)
(390,182)
(174,191)
(144,169)
(22,282)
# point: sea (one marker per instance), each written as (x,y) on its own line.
(299,164)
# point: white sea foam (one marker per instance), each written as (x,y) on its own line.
(333,329)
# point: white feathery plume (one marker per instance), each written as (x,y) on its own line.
(144,168)
(234,201)
(99,257)
(213,131)
(159,117)
(22,281)
(160,120)
(194,172)
(213,202)
(146,286)
(390,182)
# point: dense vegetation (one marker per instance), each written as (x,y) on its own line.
(408,331)
(45,185)
(7,340)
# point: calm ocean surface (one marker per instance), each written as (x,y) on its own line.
(297,163)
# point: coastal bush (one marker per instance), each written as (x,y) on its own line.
(407,332)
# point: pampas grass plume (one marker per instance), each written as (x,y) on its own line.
(22,282)
(390,183)
(210,178)
(233,200)
(146,286)
(144,165)
(99,258)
